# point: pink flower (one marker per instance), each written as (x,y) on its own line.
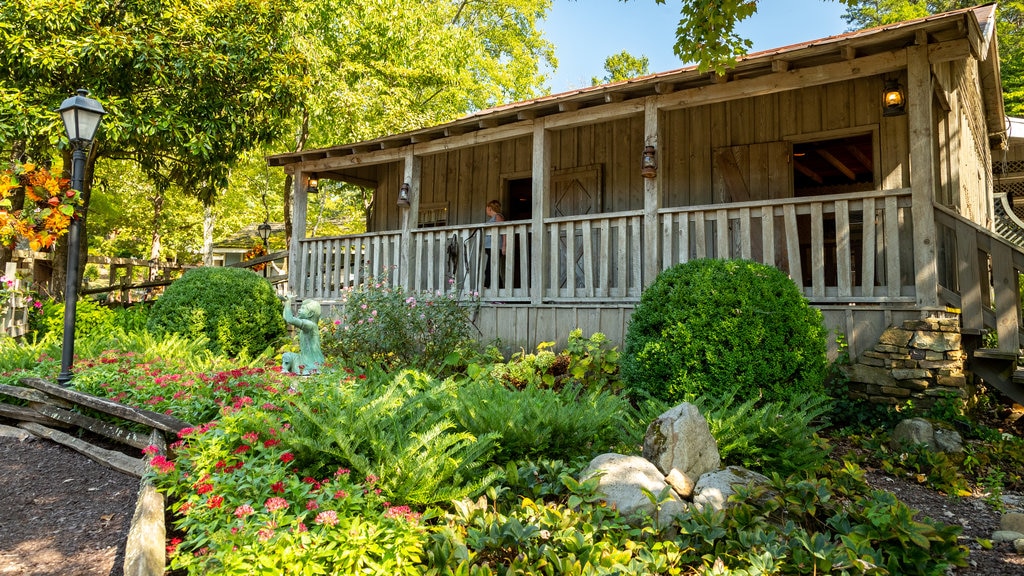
(265,534)
(162,464)
(243,511)
(275,503)
(327,518)
(340,494)
(301,528)
(151,449)
(342,471)
(251,437)
(371,479)
(173,546)
(312,505)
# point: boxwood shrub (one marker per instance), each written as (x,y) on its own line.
(715,327)
(234,308)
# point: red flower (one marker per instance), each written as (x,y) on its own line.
(287,457)
(215,501)
(173,546)
(242,449)
(277,487)
(271,443)
(204,488)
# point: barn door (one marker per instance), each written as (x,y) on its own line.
(575,192)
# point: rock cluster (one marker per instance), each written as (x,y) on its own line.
(680,467)
(920,359)
(1011,529)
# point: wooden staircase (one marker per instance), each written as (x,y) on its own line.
(999,370)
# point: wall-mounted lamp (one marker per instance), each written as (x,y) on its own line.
(313,184)
(403,194)
(894,101)
(648,163)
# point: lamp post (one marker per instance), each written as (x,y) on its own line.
(264,231)
(81,116)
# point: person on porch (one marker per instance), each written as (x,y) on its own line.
(494,214)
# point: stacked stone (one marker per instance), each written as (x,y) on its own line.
(921,360)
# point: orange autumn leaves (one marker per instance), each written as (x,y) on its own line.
(49,204)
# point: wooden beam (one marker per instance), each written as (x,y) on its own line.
(837,164)
(807,172)
(110,458)
(541,202)
(612,97)
(526,114)
(145,553)
(652,199)
(849,52)
(100,427)
(940,95)
(486,123)
(780,65)
(922,173)
(355,180)
(568,106)
(720,78)
(861,157)
(664,87)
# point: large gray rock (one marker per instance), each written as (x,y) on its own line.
(1006,536)
(913,431)
(714,488)
(622,481)
(680,439)
(1012,521)
(948,441)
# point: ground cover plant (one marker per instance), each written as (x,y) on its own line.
(371,469)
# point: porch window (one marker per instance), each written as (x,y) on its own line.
(833,166)
(433,215)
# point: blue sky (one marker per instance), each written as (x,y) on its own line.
(585,32)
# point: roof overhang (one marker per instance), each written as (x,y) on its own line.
(970,31)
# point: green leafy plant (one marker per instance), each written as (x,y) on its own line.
(396,428)
(386,325)
(236,310)
(90,317)
(735,326)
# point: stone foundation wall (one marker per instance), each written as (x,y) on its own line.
(920,360)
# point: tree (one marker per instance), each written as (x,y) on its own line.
(188,86)
(622,66)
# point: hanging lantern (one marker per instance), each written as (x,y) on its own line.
(894,101)
(648,163)
(312,185)
(403,194)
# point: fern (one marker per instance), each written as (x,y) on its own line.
(400,432)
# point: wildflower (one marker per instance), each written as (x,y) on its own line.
(342,471)
(277,487)
(242,449)
(326,518)
(265,534)
(173,546)
(287,457)
(162,464)
(215,501)
(243,511)
(204,488)
(312,505)
(301,528)
(275,503)
(371,479)
(340,494)
(251,437)
(150,450)
(271,443)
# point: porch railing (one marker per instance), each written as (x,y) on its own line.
(979,273)
(841,248)
(327,266)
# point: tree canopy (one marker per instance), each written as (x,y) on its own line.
(622,66)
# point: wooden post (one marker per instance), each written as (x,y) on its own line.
(539,209)
(652,196)
(922,173)
(409,216)
(296,284)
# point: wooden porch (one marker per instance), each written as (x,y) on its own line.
(854,256)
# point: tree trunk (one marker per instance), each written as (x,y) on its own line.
(208,222)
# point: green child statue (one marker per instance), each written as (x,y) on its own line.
(310,357)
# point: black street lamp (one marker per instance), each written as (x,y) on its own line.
(264,231)
(81,116)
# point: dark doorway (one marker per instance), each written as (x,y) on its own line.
(520,207)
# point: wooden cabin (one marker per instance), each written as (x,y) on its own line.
(859,164)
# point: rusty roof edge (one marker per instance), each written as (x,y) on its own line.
(981,22)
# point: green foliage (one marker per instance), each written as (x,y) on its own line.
(236,310)
(91,317)
(244,509)
(776,437)
(537,422)
(622,66)
(585,362)
(397,429)
(388,326)
(720,327)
